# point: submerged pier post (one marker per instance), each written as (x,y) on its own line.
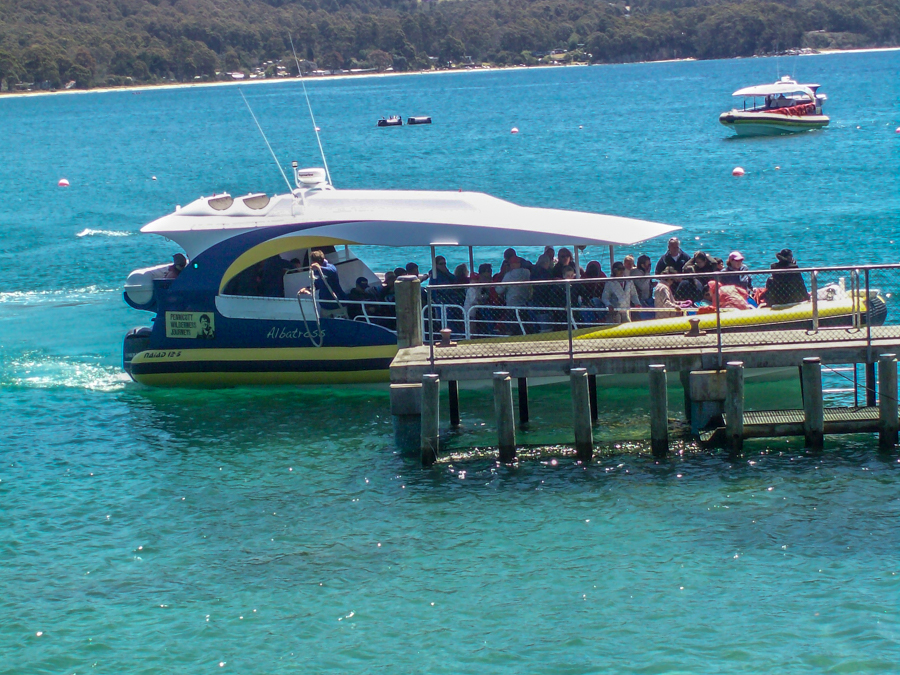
(870,384)
(581,415)
(522,387)
(734,405)
(813,405)
(431,392)
(453,393)
(685,377)
(408,298)
(406,411)
(888,422)
(592,391)
(506,425)
(659,411)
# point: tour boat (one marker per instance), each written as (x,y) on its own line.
(787,107)
(393,121)
(207,330)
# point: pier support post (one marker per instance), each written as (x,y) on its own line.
(734,405)
(453,393)
(870,384)
(813,405)
(685,377)
(581,415)
(522,387)
(506,425)
(408,298)
(592,391)
(888,422)
(431,402)
(659,411)
(707,399)
(406,412)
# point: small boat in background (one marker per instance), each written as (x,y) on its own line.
(788,107)
(393,121)
(418,120)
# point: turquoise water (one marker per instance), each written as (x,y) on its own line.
(277,531)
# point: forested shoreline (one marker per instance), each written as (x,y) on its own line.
(102,43)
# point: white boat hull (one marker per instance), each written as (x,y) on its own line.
(770,124)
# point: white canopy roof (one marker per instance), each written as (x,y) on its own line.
(783,86)
(406,218)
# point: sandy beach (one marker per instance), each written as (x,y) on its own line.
(328,78)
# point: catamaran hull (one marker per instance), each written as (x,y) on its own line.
(770,124)
(252,353)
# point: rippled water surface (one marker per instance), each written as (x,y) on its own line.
(278,531)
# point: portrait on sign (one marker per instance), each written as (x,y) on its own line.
(191,325)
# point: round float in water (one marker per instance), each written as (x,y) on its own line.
(63,182)
(514,130)
(737,171)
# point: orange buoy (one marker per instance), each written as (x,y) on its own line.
(63,182)
(514,130)
(737,171)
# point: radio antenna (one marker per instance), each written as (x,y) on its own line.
(277,163)
(311,116)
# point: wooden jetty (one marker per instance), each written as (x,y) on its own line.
(711,372)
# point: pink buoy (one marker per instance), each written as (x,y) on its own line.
(737,171)
(63,182)
(897,130)
(514,130)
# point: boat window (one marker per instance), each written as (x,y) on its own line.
(221,203)
(256,202)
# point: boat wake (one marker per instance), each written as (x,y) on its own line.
(39,370)
(54,297)
(88,232)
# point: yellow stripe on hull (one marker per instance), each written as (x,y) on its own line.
(248,379)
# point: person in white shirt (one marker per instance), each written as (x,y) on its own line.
(516,296)
(619,295)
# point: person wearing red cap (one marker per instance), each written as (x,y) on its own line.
(735,265)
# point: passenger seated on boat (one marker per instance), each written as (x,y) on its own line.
(179,262)
(663,298)
(704,266)
(327,282)
(478,297)
(440,275)
(734,266)
(516,296)
(565,260)
(246,282)
(550,252)
(785,287)
(673,257)
(386,292)
(620,295)
(412,269)
(358,294)
(523,263)
(690,289)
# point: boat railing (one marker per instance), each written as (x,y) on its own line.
(708,309)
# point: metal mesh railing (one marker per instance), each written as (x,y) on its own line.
(717,309)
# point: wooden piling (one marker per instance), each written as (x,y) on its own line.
(506,425)
(734,405)
(659,411)
(813,404)
(408,298)
(592,392)
(888,422)
(581,415)
(685,376)
(453,393)
(431,391)
(870,384)
(522,387)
